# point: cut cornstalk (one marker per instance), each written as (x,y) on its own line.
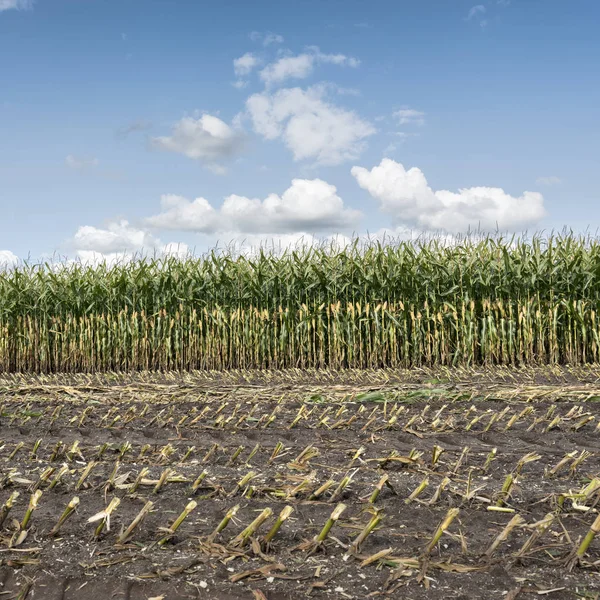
(57,451)
(563,462)
(240,540)
(136,521)
(583,455)
(369,528)
(588,539)
(283,515)
(43,478)
(110,484)
(506,489)
(235,455)
(102,450)
(16,449)
(198,482)
(461,459)
(138,480)
(321,490)
(35,449)
(85,474)
(224,522)
(209,454)
(177,523)
(439,491)
(503,536)
(7,506)
(335,515)
(73,504)
(442,527)
(162,480)
(435,455)
(143,450)
(342,486)
(490,457)
(104,517)
(243,482)
(357,455)
(276,451)
(554,423)
(74,451)
(583,422)
(539,529)
(378,488)
(417,491)
(530,457)
(33,504)
(252,453)
(59,475)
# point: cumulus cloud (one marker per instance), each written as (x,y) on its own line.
(117,237)
(551,180)
(78,163)
(300,66)
(409,116)
(15,4)
(245,64)
(406,195)
(309,124)
(267,38)
(7,258)
(308,205)
(207,139)
(181,214)
(119,241)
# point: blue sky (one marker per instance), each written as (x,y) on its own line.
(149,124)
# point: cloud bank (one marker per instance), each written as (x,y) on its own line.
(407,197)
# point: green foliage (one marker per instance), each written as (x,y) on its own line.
(494,300)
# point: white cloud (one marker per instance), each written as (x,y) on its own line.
(7,258)
(300,66)
(267,38)
(307,205)
(288,67)
(181,214)
(406,195)
(208,139)
(312,127)
(78,163)
(117,237)
(475,11)
(552,180)
(245,64)
(409,116)
(119,242)
(15,4)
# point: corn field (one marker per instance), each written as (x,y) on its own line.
(419,303)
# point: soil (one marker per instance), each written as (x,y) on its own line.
(348,423)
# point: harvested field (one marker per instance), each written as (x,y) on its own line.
(441,484)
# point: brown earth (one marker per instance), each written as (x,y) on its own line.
(163,416)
